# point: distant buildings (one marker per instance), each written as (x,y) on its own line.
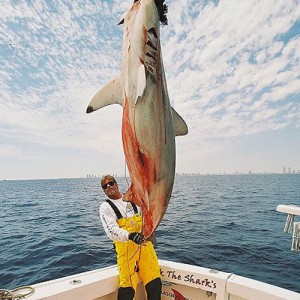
(92,176)
(285,170)
(99,176)
(290,171)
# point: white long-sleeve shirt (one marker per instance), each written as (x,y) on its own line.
(110,221)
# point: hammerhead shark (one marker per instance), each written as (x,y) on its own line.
(149,123)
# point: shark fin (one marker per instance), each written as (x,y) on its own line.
(109,94)
(141,82)
(180,127)
(123,17)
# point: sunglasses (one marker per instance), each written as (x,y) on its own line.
(110,183)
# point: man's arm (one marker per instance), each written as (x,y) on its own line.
(110,224)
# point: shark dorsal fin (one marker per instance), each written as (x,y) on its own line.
(180,127)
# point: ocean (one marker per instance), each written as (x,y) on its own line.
(51,228)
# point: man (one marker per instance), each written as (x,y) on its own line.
(136,257)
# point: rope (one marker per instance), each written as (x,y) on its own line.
(126,175)
(16,294)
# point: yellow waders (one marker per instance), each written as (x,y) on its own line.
(135,260)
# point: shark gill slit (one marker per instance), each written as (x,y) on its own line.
(150,44)
(148,54)
(153,31)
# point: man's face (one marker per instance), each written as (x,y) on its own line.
(110,189)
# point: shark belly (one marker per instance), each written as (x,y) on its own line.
(149,148)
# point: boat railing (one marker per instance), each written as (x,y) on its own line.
(291,226)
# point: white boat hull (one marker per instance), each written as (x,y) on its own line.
(192,282)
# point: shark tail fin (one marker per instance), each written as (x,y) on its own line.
(111,93)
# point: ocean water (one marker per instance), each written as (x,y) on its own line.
(51,228)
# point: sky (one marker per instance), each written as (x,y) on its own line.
(232,69)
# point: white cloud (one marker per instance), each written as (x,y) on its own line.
(232,70)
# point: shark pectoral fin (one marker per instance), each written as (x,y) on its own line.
(141,82)
(180,127)
(109,94)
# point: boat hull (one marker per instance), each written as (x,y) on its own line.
(179,280)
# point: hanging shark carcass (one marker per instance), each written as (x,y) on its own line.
(149,123)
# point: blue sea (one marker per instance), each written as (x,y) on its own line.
(51,228)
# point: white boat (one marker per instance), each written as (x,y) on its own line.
(180,282)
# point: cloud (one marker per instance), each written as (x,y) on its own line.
(231,59)
(232,67)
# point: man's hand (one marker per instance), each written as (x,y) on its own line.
(136,237)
